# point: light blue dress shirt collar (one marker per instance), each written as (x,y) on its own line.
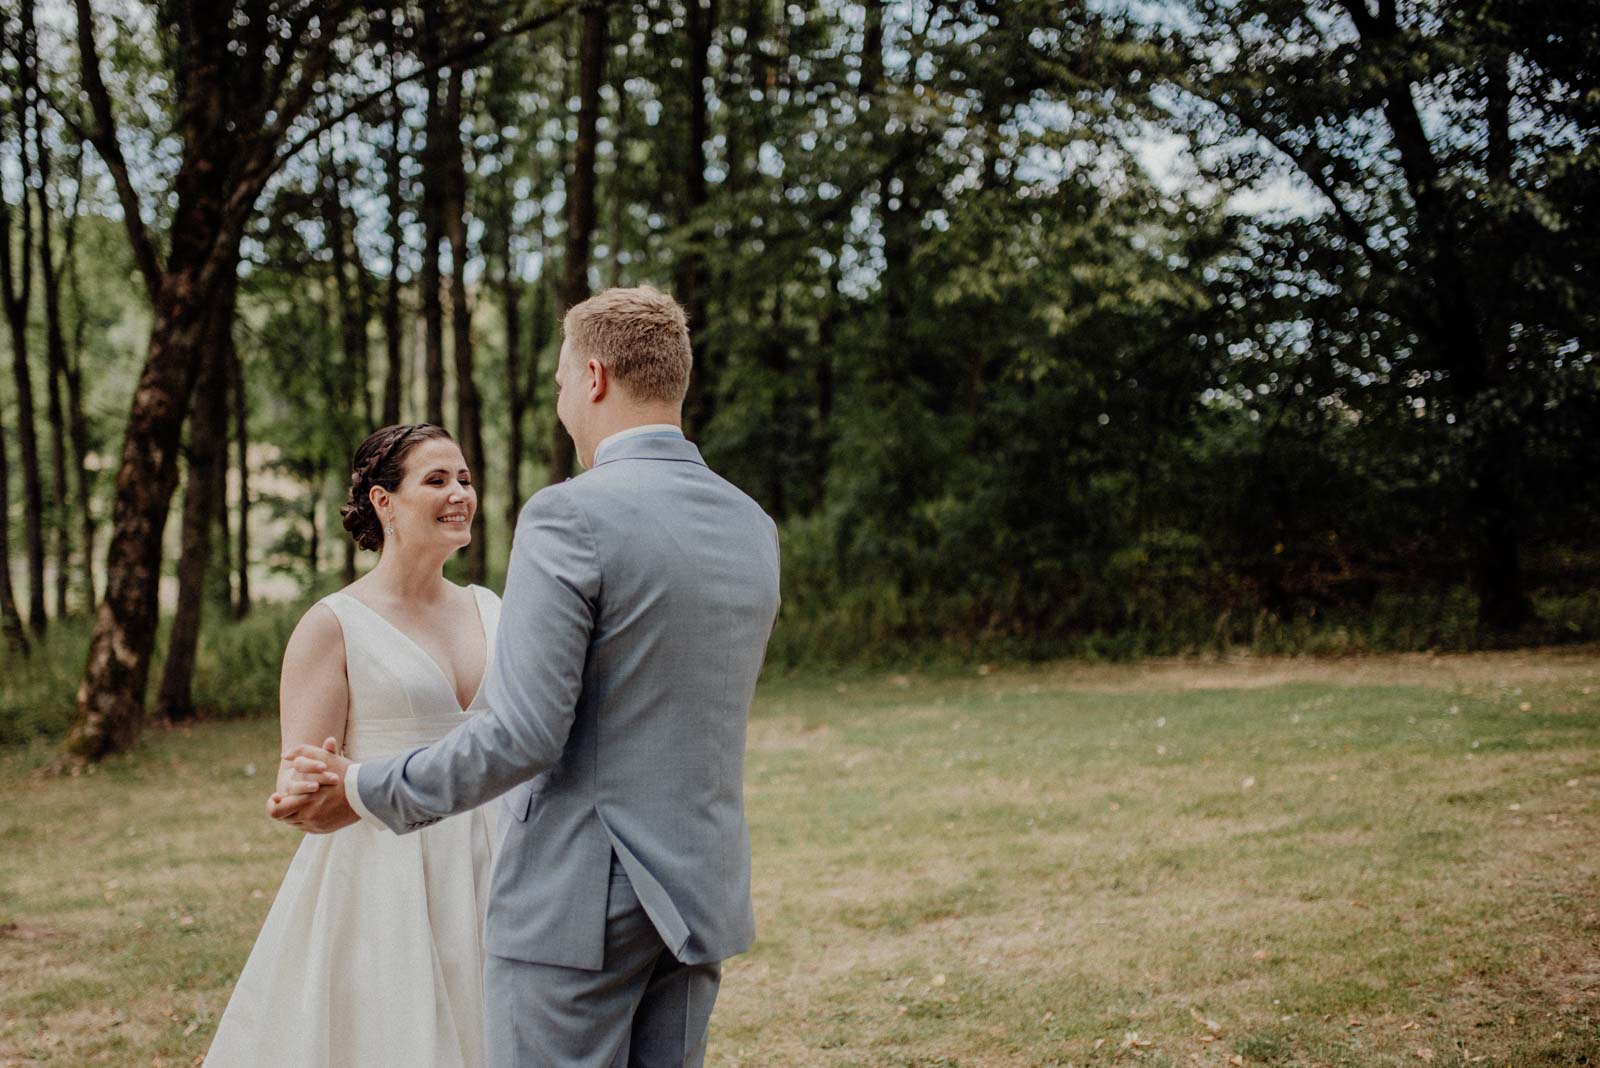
(634,432)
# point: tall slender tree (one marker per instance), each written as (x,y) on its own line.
(393,320)
(239,394)
(55,342)
(690,275)
(17,298)
(435,180)
(10,619)
(78,423)
(206,453)
(469,407)
(581,197)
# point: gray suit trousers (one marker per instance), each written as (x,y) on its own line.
(642,1009)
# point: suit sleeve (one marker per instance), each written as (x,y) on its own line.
(532,687)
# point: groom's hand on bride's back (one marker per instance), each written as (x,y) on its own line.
(310,794)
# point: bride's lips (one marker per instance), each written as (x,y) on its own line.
(454,517)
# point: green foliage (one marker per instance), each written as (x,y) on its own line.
(1105,329)
(37,697)
(238,662)
(236,671)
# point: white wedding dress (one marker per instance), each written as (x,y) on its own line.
(372,954)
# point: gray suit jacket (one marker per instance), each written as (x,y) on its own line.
(638,604)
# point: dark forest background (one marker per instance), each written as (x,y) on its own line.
(1042,328)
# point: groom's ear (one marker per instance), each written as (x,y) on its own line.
(601,381)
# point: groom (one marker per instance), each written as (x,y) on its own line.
(638,603)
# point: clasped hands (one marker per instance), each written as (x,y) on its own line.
(310,793)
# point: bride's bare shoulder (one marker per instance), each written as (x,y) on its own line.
(317,638)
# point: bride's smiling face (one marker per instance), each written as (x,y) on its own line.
(435,501)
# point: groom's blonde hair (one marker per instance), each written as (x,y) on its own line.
(641,336)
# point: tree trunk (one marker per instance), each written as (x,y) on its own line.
(219,585)
(314,522)
(350,293)
(517,398)
(347,569)
(690,280)
(363,356)
(241,430)
(823,386)
(26,103)
(617,194)
(59,514)
(580,199)
(18,290)
(32,488)
(393,323)
(435,177)
(55,361)
(110,704)
(1471,345)
(469,430)
(541,331)
(77,423)
(10,619)
(775,355)
(208,438)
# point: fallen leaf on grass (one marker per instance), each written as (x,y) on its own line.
(1131,1040)
(1210,1025)
(1236,1060)
(1424,1053)
(1409,1025)
(1260,954)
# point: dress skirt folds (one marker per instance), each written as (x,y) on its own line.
(372,953)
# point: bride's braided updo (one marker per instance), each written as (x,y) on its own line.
(380,461)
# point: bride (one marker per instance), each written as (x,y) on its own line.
(372,953)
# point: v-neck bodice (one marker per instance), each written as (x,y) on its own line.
(400,697)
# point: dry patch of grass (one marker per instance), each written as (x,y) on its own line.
(1556,666)
(1389,861)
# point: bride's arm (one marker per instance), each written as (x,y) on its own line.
(313,691)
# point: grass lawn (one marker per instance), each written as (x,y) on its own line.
(1384,861)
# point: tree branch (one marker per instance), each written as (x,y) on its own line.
(468,51)
(1309,167)
(104,138)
